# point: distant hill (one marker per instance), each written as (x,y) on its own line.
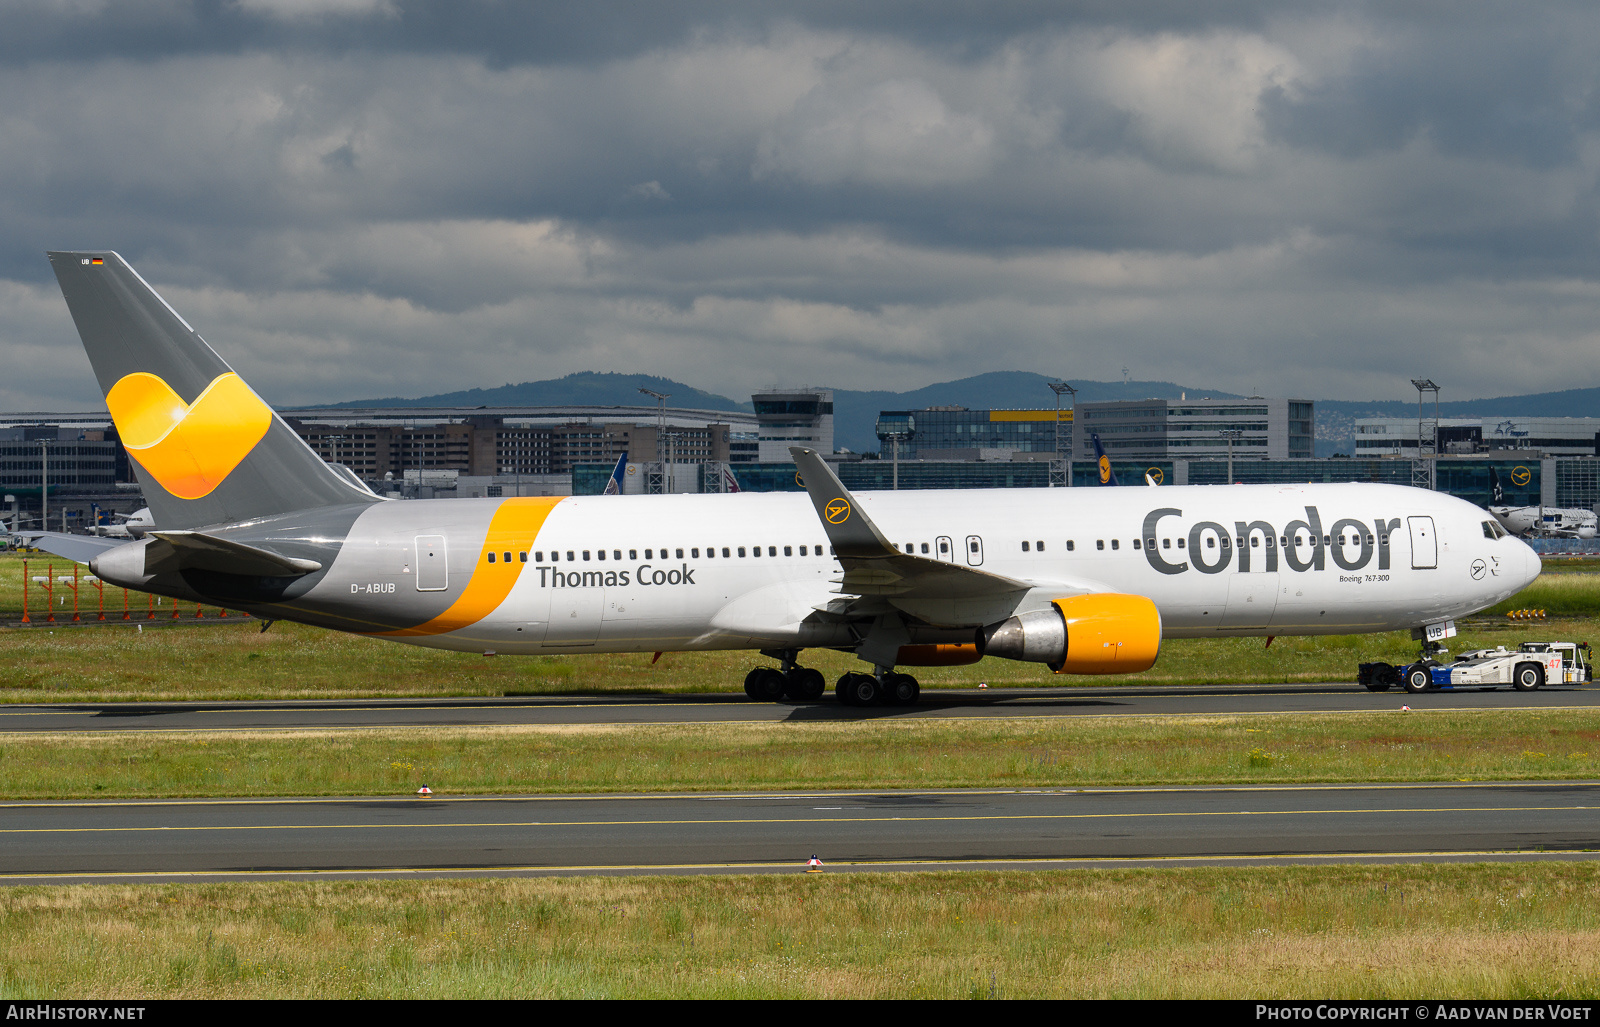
(855,412)
(586,388)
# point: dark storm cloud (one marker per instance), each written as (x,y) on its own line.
(1293,197)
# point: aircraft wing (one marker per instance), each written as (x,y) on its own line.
(874,566)
(77,548)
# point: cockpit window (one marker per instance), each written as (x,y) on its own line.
(1492,529)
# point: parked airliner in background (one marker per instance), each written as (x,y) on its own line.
(1541,521)
(1084,581)
(132,525)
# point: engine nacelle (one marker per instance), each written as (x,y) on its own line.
(1102,633)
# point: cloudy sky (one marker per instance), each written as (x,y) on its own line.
(355,198)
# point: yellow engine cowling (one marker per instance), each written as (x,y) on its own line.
(1102,633)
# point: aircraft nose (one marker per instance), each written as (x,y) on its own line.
(1532,565)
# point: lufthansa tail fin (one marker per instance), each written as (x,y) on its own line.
(1103,463)
(206,448)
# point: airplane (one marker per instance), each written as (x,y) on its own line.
(1079,581)
(1541,521)
(133,525)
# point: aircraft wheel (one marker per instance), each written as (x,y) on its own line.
(764,684)
(1528,677)
(805,684)
(858,690)
(902,689)
(1418,679)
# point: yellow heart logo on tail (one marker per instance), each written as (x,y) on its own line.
(190,448)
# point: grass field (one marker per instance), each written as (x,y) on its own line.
(890,753)
(1468,931)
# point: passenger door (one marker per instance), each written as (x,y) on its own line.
(975,550)
(432,563)
(945,548)
(1424,546)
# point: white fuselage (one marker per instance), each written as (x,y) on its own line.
(617,574)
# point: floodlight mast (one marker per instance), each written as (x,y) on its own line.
(1230,434)
(661,435)
(1424,467)
(1061,467)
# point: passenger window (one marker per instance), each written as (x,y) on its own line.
(1070,545)
(602,555)
(772,550)
(944,547)
(1180,543)
(1116,543)
(538,556)
(522,557)
(680,554)
(616,554)
(1039,546)
(802,550)
(1166,543)
(1227,542)
(1024,547)
(924,548)
(491,558)
(695,553)
(1369,540)
(711,551)
(1383,540)
(1326,540)
(725,551)
(788,550)
(1255,541)
(633,554)
(755,550)
(741,552)
(1136,543)
(1241,541)
(586,554)
(1211,543)
(647,553)
(1099,543)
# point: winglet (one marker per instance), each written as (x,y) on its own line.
(850,531)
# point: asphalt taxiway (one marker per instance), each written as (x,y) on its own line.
(532,835)
(710,708)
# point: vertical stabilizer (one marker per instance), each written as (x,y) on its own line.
(206,448)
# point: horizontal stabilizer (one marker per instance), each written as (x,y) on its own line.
(77,548)
(171,551)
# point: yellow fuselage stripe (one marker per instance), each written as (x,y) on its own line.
(513,529)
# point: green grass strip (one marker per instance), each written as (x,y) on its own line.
(901,754)
(1506,931)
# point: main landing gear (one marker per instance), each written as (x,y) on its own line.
(801,684)
(888,688)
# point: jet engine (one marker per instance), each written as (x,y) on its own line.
(1102,633)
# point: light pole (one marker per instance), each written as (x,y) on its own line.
(44,484)
(1230,434)
(661,434)
(1063,462)
(893,430)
